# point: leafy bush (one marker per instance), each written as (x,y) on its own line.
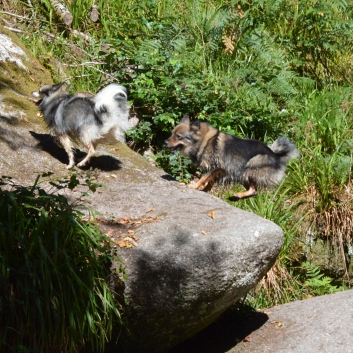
(177,165)
(54,292)
(314,34)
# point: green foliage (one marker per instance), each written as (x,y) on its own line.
(315,34)
(54,293)
(318,283)
(177,165)
(323,133)
(327,120)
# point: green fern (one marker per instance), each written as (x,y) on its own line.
(317,281)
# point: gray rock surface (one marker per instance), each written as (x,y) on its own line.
(193,254)
(317,325)
(188,268)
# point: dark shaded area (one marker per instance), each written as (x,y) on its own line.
(47,144)
(10,119)
(168,177)
(13,139)
(231,328)
(234,198)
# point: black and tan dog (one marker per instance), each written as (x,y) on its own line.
(231,159)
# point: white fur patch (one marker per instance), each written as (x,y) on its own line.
(106,95)
(116,118)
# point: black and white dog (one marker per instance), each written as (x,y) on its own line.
(90,119)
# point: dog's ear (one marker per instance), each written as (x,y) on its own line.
(195,125)
(185,119)
(65,87)
(57,87)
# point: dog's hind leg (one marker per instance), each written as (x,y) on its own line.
(66,142)
(208,179)
(244,194)
(91,150)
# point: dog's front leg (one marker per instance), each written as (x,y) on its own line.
(208,179)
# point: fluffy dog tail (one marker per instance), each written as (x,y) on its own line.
(285,149)
(108,96)
(111,105)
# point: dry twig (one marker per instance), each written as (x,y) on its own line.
(62,12)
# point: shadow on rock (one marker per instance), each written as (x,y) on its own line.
(13,139)
(234,326)
(168,177)
(175,289)
(47,144)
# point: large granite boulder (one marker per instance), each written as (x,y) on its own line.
(188,267)
(188,255)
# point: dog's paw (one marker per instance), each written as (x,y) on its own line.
(81,164)
(193,186)
(133,122)
(70,166)
(243,195)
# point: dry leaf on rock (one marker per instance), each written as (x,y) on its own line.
(121,232)
(125,244)
(211,214)
(125,220)
(132,241)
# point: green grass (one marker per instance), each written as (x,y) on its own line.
(54,294)
(280,285)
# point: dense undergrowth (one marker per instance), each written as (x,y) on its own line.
(251,68)
(55,294)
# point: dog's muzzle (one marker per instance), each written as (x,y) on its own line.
(173,148)
(37,95)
